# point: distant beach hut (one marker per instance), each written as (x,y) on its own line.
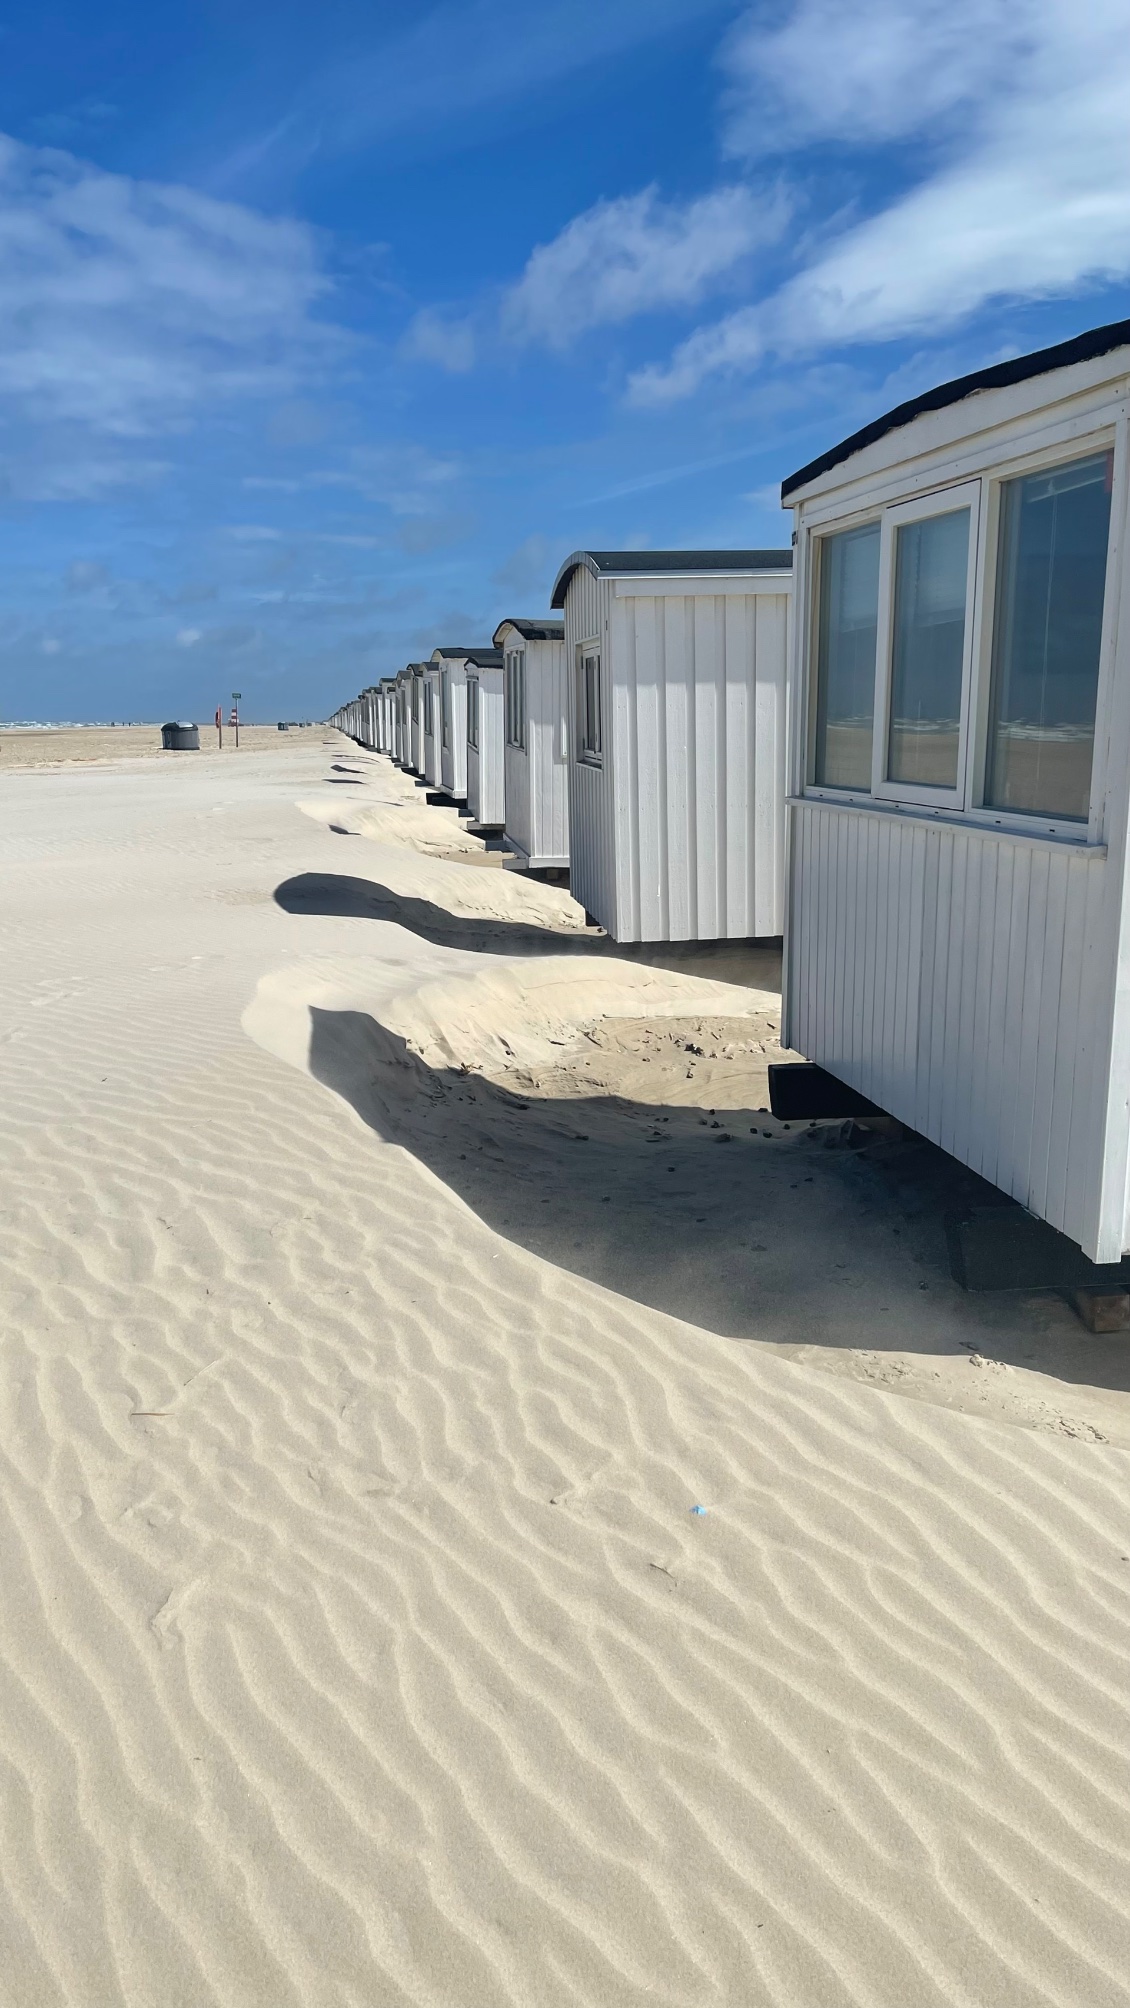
(386,705)
(536,735)
(429,698)
(452,664)
(958,929)
(676,664)
(415,760)
(180,737)
(486,767)
(400,741)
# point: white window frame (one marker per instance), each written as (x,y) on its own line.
(941,502)
(587,755)
(473,712)
(1060,445)
(445,705)
(515,680)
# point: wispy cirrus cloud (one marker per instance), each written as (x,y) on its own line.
(1029,199)
(637,254)
(127,305)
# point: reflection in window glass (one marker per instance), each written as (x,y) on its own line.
(931,568)
(845,661)
(473,711)
(1051,579)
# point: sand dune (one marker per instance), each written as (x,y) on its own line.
(359,1643)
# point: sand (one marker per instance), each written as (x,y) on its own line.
(68,745)
(363,1363)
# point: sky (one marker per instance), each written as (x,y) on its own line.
(327,332)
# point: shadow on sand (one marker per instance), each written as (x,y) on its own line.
(733,1221)
(340,896)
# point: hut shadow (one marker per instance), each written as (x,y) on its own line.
(339,896)
(733,1223)
(336,895)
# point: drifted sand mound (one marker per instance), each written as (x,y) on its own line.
(613,1120)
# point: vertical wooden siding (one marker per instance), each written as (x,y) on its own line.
(453,756)
(962,981)
(486,775)
(548,735)
(698,721)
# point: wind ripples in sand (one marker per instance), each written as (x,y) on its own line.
(358,1643)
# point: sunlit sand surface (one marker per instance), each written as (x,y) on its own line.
(389,1270)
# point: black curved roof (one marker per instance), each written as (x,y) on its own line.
(628,564)
(483,658)
(532,630)
(1080,349)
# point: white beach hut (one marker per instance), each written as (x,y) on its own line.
(430,710)
(958,935)
(536,732)
(676,662)
(403,733)
(385,689)
(451,664)
(416,717)
(486,767)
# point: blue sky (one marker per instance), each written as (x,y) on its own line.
(325,332)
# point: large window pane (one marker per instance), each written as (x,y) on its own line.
(931,569)
(845,657)
(1051,580)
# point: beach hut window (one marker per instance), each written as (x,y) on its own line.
(847,628)
(1050,591)
(516,697)
(415,699)
(473,711)
(925,639)
(588,705)
(429,717)
(445,705)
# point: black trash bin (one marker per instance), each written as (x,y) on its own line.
(180,737)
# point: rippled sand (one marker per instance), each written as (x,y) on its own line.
(358,1641)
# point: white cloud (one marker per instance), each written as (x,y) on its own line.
(188,637)
(125,304)
(434,338)
(634,255)
(881,71)
(49,645)
(1034,203)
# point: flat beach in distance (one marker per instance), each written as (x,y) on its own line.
(491,1518)
(66,745)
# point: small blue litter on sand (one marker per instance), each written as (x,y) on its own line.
(700,1510)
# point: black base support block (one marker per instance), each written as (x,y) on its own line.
(801,1092)
(1006,1248)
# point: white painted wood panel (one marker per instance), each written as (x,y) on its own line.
(537,774)
(945,973)
(486,770)
(689,801)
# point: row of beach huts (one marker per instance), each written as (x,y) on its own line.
(903,744)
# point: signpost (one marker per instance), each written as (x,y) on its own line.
(220,726)
(235,697)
